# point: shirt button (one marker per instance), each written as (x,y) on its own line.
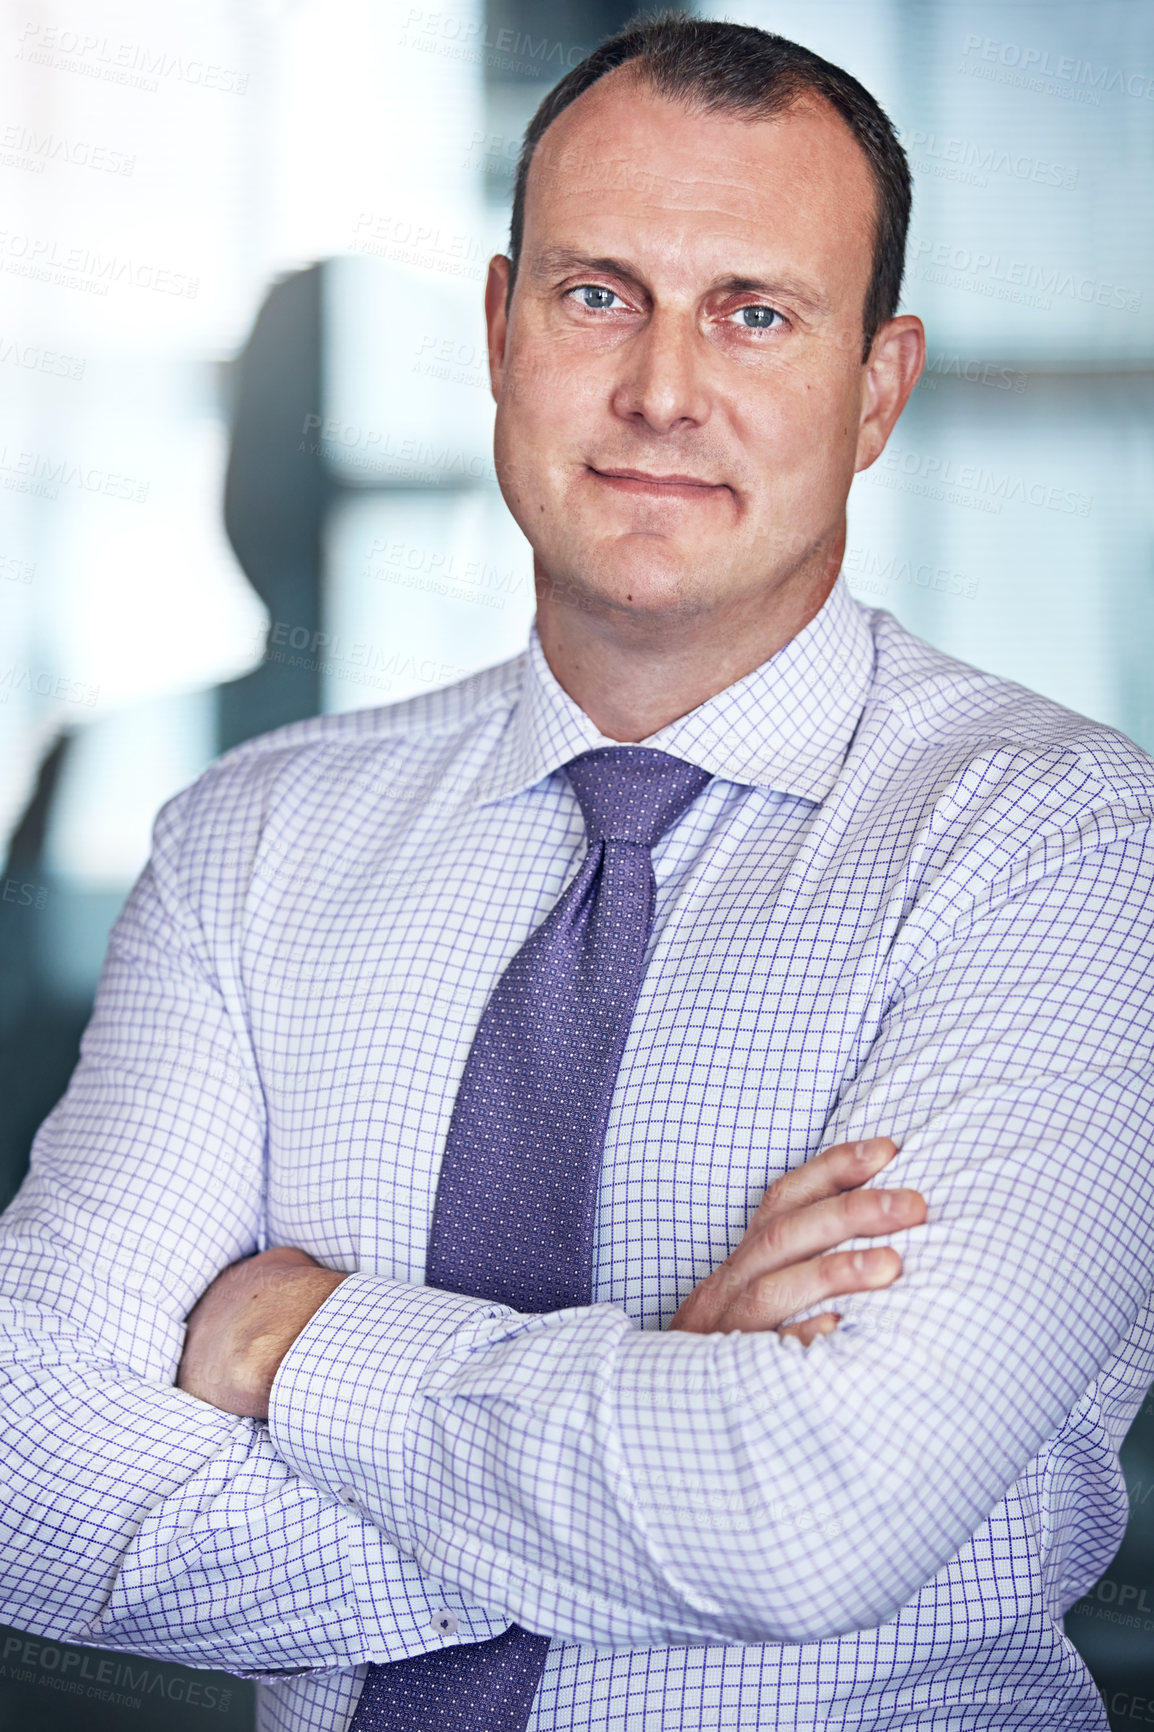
(347,1496)
(445,1623)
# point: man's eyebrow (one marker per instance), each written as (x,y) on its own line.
(802,294)
(560,261)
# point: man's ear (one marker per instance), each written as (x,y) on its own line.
(894,367)
(497,319)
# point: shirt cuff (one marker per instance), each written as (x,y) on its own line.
(341,1400)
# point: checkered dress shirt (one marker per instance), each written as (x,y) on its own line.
(916,901)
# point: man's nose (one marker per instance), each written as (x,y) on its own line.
(662,381)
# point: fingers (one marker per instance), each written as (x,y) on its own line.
(791,1238)
(823,1324)
(787,1260)
(766,1303)
(839,1168)
(822,1226)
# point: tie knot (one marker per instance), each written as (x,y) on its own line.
(632,793)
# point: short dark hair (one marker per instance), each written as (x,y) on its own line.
(736,68)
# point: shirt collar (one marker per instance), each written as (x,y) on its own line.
(787,725)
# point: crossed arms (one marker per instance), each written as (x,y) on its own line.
(427,1449)
(242,1327)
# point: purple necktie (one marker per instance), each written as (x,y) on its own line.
(514,1214)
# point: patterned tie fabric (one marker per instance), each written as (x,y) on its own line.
(514,1214)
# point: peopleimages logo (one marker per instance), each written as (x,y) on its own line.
(42,684)
(1037,64)
(438,571)
(428,246)
(990,273)
(50,260)
(138,65)
(869,571)
(961,159)
(24,147)
(99,1677)
(515,52)
(34,359)
(358,661)
(988,373)
(971,484)
(380,452)
(14,570)
(33,472)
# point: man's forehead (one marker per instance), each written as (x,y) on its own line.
(612,171)
(622,152)
(651,141)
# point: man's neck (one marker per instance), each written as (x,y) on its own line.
(634,675)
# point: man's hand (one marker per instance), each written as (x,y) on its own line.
(786,1260)
(242,1326)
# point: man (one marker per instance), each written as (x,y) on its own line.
(492,1014)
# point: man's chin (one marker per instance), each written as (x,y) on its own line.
(644,589)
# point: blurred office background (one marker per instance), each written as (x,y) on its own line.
(261,226)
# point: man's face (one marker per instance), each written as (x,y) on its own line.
(681,397)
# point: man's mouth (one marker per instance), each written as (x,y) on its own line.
(650,484)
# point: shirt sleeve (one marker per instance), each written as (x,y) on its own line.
(632,1488)
(133,1515)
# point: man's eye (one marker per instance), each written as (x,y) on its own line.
(597,300)
(756,318)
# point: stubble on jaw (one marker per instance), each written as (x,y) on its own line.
(686,603)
